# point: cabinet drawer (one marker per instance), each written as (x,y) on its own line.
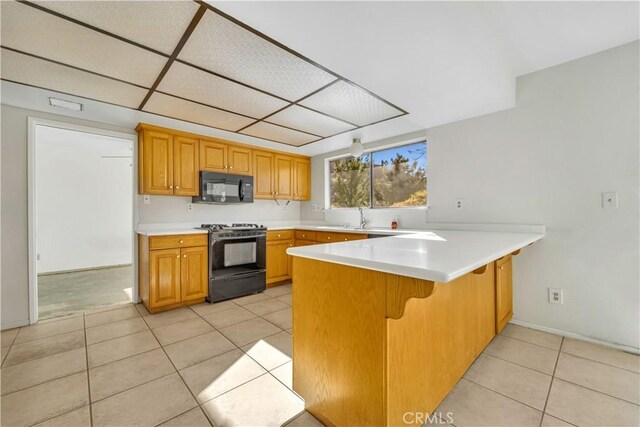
(279,235)
(305,235)
(177,241)
(328,237)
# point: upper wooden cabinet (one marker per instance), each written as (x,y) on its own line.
(219,156)
(155,156)
(167,163)
(170,162)
(301,179)
(263,175)
(283,184)
(186,152)
(239,160)
(213,155)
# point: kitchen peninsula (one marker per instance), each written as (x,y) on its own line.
(384,327)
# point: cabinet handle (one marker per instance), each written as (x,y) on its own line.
(290,245)
(178,256)
(177,187)
(345,239)
(501,268)
(181,241)
(184,256)
(276,193)
(171,186)
(230,167)
(328,238)
(278,235)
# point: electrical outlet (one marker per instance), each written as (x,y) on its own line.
(459,203)
(189,207)
(37,257)
(147,199)
(555,296)
(610,200)
(284,208)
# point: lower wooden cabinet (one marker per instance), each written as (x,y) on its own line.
(504,292)
(278,262)
(170,277)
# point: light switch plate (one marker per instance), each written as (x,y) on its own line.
(610,200)
(147,199)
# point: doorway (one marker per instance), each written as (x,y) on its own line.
(82,208)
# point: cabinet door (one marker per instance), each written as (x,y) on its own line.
(504,292)
(262,175)
(194,271)
(278,262)
(303,242)
(156,163)
(213,155)
(302,179)
(284,177)
(186,166)
(164,277)
(239,160)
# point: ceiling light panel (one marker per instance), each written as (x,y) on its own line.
(309,121)
(37,72)
(279,134)
(191,83)
(30,30)
(219,45)
(170,106)
(155,24)
(351,103)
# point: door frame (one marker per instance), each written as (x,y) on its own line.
(32,123)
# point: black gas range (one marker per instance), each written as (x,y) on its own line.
(237,260)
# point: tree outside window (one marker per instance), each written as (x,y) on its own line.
(393,177)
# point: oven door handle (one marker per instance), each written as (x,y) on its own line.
(219,239)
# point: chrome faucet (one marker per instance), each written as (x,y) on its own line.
(363,221)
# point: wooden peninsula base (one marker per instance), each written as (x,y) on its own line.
(369,347)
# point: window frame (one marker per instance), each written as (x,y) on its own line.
(370,151)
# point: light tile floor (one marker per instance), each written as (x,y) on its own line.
(230,364)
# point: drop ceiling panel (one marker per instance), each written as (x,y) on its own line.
(191,83)
(170,106)
(351,103)
(33,31)
(279,134)
(219,45)
(155,24)
(309,121)
(37,72)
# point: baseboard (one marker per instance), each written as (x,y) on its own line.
(577,336)
(16,324)
(79,270)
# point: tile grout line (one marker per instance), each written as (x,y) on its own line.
(179,415)
(515,363)
(600,362)
(503,395)
(532,343)
(553,376)
(573,354)
(10,347)
(176,371)
(86,354)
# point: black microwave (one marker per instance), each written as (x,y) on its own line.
(224,188)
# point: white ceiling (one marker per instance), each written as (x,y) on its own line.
(440,61)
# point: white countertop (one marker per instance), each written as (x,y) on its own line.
(169,231)
(440,255)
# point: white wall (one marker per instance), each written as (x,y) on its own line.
(573,134)
(84,200)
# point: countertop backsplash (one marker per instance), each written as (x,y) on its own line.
(171,209)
